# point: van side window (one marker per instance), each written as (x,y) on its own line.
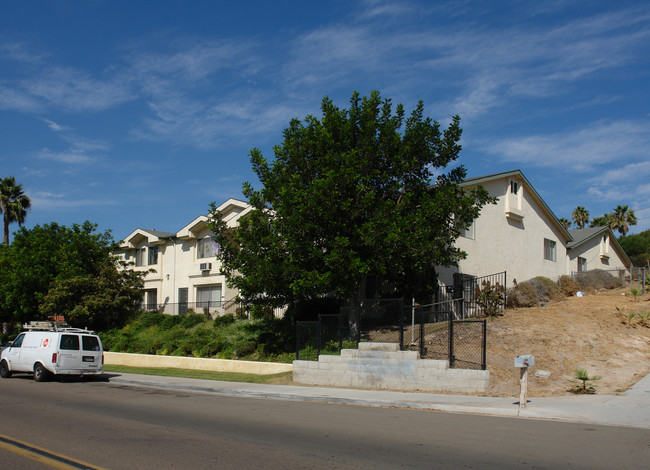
(90,343)
(18,341)
(70,342)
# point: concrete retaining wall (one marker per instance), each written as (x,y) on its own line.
(197,363)
(384,366)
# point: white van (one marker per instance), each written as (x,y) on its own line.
(65,351)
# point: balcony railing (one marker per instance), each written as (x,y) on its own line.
(213,308)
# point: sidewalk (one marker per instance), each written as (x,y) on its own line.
(631,408)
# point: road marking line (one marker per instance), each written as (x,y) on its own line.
(46,457)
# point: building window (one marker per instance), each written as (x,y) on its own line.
(153,255)
(514,187)
(582,264)
(150,300)
(208,296)
(140,256)
(469,232)
(206,248)
(550,250)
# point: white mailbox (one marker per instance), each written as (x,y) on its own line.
(525,360)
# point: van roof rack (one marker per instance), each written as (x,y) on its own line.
(53,326)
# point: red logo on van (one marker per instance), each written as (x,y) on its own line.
(45,342)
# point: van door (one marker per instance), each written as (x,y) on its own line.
(69,353)
(13,353)
(91,352)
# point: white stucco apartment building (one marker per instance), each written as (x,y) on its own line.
(184,271)
(519,235)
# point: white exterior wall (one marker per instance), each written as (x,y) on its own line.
(509,236)
(179,264)
(599,254)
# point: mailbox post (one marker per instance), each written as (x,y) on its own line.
(524,362)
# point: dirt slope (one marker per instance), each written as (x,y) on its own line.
(580,332)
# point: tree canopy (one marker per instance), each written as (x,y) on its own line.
(13,205)
(69,271)
(358,192)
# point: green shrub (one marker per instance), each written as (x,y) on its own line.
(191,319)
(224,320)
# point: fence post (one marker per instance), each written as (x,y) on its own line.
(340,332)
(451,340)
(297,342)
(421,311)
(484,355)
(319,333)
(401,327)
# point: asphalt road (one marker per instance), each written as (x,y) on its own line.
(122,427)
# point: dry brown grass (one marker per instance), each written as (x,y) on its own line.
(579,332)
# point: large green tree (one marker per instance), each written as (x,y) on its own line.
(637,247)
(13,205)
(358,192)
(49,257)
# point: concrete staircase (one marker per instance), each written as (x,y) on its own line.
(384,366)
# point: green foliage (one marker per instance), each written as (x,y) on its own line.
(75,264)
(224,320)
(490,297)
(358,192)
(582,380)
(194,335)
(580,216)
(619,220)
(13,205)
(637,247)
(98,301)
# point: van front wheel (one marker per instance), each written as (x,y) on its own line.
(5,373)
(40,373)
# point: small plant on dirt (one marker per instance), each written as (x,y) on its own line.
(635,293)
(644,319)
(582,380)
(626,318)
(490,298)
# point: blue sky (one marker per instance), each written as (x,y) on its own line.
(139,114)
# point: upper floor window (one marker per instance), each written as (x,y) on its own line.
(140,256)
(550,250)
(514,187)
(153,255)
(206,248)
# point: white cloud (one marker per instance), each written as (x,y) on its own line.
(15,100)
(585,149)
(71,156)
(76,90)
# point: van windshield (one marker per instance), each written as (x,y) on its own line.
(90,343)
(70,342)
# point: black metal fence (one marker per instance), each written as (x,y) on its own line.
(433,331)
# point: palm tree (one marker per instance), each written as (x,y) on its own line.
(13,204)
(607,220)
(624,218)
(580,216)
(566,223)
